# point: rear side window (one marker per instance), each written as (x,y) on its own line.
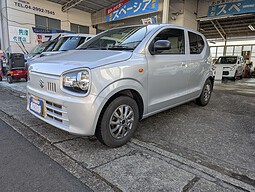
(82,40)
(196,43)
(67,43)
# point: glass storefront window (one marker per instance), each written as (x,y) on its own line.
(253,51)
(220,51)
(238,51)
(247,48)
(213,52)
(230,50)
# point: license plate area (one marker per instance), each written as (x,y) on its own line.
(36,105)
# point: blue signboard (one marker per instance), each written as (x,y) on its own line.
(127,8)
(232,8)
(49,31)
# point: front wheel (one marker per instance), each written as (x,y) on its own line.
(9,79)
(205,96)
(118,122)
(234,78)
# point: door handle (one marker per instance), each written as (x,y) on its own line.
(184,65)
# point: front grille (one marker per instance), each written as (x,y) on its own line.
(51,87)
(56,112)
(225,73)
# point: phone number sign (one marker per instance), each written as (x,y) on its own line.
(28,6)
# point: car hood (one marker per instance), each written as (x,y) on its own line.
(225,65)
(59,63)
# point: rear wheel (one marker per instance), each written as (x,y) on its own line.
(9,79)
(205,96)
(241,76)
(118,122)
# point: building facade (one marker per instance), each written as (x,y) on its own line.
(25,16)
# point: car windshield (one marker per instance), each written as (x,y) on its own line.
(41,47)
(126,38)
(226,60)
(68,43)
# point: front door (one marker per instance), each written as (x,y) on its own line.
(167,71)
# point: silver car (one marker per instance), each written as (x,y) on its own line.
(119,77)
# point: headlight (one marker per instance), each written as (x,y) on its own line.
(78,81)
(233,68)
(29,69)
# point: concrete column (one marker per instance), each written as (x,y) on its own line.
(1,28)
(225,46)
(165,14)
(4,27)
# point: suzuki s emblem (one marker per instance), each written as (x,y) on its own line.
(41,83)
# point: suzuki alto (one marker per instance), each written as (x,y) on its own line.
(119,77)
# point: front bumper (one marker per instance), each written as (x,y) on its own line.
(228,73)
(76,115)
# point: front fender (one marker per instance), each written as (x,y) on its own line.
(114,88)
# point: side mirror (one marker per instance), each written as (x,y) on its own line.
(160,45)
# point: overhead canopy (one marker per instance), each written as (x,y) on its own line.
(90,6)
(231,26)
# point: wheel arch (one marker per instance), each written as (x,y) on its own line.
(130,93)
(134,90)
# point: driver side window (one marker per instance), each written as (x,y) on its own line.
(176,38)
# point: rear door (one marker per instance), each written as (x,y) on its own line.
(167,71)
(196,63)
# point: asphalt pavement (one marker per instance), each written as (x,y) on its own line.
(25,169)
(188,148)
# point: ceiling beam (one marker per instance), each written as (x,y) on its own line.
(68,5)
(222,30)
(223,36)
(108,1)
(96,4)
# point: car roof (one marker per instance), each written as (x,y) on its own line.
(163,25)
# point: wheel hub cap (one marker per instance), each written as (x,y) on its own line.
(121,121)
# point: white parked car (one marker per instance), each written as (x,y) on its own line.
(231,66)
(64,43)
(120,77)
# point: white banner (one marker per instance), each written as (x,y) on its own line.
(19,34)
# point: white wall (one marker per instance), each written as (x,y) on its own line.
(183,13)
(190,14)
(203,6)
(24,17)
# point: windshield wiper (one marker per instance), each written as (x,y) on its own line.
(120,47)
(93,48)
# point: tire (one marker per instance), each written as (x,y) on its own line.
(234,78)
(205,96)
(118,122)
(9,79)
